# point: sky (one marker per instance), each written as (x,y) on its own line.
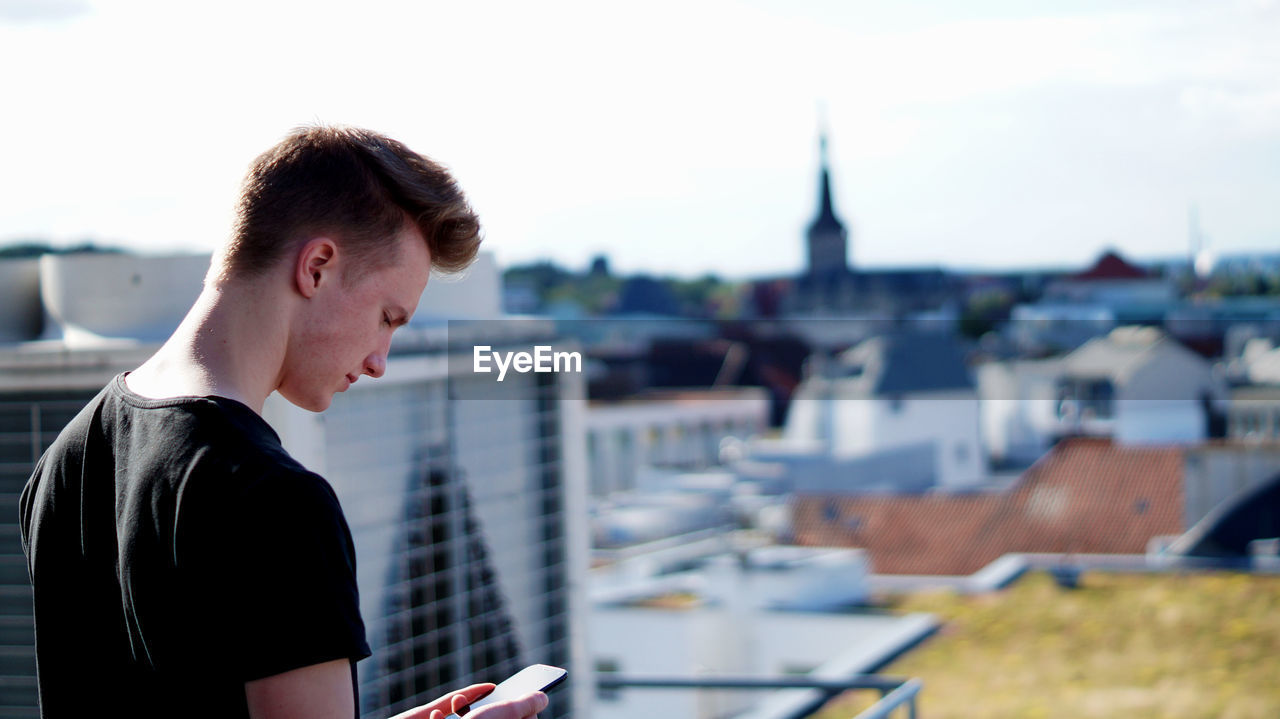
(673,137)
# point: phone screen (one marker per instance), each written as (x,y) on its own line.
(533,678)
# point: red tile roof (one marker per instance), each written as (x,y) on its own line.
(1111,266)
(1086,496)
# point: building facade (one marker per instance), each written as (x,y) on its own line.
(678,429)
(893,392)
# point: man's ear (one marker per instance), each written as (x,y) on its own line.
(316,263)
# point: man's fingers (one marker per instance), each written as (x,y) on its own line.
(454,701)
(474,692)
(526,707)
(530,704)
(447,703)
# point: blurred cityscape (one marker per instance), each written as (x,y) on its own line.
(748,479)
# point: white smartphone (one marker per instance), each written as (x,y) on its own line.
(533,678)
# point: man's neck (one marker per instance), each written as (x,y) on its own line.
(231,344)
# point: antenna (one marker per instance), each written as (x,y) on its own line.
(822,134)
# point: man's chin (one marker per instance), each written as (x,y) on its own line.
(311,404)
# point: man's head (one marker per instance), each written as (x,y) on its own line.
(347,224)
(354,185)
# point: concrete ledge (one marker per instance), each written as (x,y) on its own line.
(993,577)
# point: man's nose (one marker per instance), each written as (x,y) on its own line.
(375,365)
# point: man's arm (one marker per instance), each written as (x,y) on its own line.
(319,691)
(324,691)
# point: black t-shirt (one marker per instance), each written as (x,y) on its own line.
(177,551)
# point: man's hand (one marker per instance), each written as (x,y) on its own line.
(324,691)
(525,707)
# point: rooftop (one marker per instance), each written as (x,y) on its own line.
(1169,645)
(905,363)
(1111,266)
(1086,496)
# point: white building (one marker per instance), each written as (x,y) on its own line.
(468,515)
(1019,408)
(1136,385)
(1254,414)
(892,393)
(680,428)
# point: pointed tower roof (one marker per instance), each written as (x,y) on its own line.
(826,221)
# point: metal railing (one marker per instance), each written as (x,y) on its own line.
(894,692)
(904,694)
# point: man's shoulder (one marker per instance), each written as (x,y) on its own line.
(232,451)
(200,444)
(212,430)
(236,473)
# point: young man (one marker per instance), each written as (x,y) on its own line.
(184,565)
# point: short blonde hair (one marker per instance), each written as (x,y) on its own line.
(358,185)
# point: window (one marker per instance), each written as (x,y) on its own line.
(1250,424)
(1085,398)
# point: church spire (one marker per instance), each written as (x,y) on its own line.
(826,212)
(827,237)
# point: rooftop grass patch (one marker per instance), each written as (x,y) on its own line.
(1149,645)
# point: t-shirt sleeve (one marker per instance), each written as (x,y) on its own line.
(291,579)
